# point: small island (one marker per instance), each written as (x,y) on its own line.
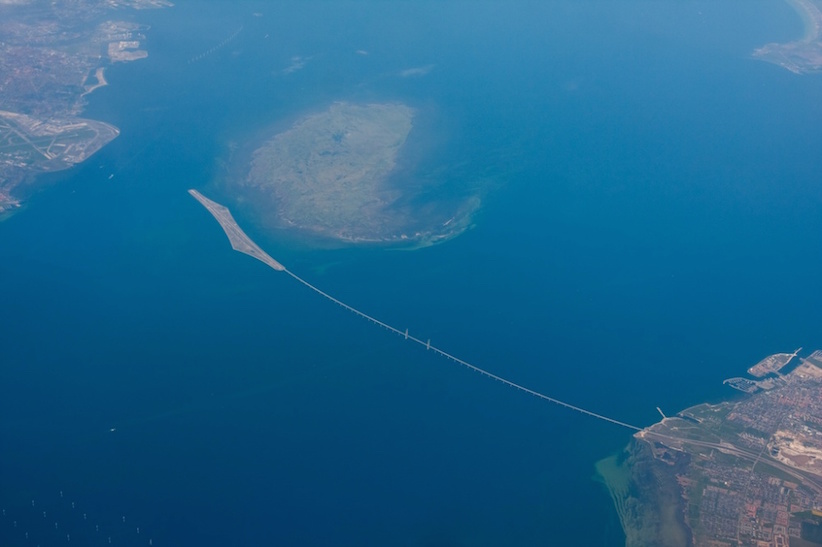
(747,472)
(236,236)
(334,176)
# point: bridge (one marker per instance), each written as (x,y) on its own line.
(244,244)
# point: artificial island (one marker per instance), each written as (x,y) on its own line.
(236,236)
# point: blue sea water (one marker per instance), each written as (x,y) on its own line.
(652,226)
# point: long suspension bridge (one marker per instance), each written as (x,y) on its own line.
(244,244)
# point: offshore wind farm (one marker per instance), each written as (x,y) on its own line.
(241,242)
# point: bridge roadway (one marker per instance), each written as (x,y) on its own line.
(238,238)
(803,477)
(242,243)
(428,346)
(642,433)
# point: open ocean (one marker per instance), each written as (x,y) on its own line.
(652,226)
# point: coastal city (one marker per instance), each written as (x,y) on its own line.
(50,60)
(750,471)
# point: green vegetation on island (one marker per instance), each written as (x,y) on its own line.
(334,176)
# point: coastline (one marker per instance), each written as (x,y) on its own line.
(646,496)
(101,81)
(743,470)
(804,55)
(811,18)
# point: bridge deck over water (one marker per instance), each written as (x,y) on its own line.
(242,243)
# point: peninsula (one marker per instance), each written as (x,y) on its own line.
(30,145)
(802,56)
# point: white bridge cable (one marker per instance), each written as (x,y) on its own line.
(429,346)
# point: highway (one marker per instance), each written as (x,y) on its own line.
(728,448)
(238,238)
